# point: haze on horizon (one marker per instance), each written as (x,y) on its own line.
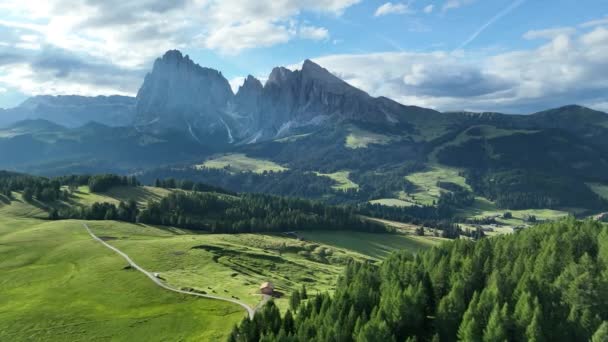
(508,55)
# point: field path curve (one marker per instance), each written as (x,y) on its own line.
(250,311)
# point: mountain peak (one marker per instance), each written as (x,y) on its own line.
(252,81)
(279,75)
(175,55)
(312,70)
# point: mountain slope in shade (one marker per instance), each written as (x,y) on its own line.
(73,111)
(183,96)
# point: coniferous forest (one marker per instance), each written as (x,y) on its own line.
(549,283)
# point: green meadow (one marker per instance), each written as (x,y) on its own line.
(58,283)
(238,162)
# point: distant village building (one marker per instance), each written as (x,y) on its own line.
(267,288)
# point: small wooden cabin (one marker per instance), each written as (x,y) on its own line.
(267,288)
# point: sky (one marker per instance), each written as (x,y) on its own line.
(515,56)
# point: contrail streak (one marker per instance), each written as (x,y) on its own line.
(494,19)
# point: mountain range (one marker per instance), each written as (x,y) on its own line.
(307,121)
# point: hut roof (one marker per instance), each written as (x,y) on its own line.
(267,285)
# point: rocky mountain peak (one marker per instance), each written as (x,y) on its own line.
(251,84)
(180,95)
(279,75)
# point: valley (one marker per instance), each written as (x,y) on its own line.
(49,263)
(179,213)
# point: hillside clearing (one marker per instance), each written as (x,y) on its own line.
(59,284)
(377,246)
(342,179)
(359,138)
(427,191)
(238,162)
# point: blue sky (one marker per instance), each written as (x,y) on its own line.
(498,55)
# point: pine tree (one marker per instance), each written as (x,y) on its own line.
(375,330)
(534,332)
(294,301)
(303,294)
(496,330)
(523,314)
(470,329)
(601,334)
(288,323)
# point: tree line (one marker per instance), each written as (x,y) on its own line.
(31,187)
(549,283)
(251,213)
(218,213)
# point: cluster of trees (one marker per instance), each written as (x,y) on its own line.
(436,217)
(524,189)
(125,211)
(184,184)
(292,183)
(373,184)
(102,183)
(544,284)
(456,198)
(251,213)
(31,187)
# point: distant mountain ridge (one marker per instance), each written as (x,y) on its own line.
(73,110)
(181,95)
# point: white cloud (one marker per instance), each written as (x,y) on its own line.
(3,90)
(549,33)
(233,39)
(126,35)
(597,22)
(313,33)
(565,70)
(429,9)
(392,8)
(130,33)
(453,4)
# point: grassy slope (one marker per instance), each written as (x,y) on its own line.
(426,183)
(374,245)
(227,265)
(342,180)
(58,284)
(392,202)
(139,194)
(238,162)
(600,189)
(231,265)
(235,265)
(359,138)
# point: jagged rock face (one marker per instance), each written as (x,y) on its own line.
(181,95)
(73,111)
(313,97)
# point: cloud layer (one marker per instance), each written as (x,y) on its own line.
(569,67)
(93,46)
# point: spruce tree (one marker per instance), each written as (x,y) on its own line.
(496,331)
(534,332)
(294,301)
(601,334)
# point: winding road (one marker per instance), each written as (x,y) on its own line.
(250,311)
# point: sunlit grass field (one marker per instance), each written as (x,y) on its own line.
(238,162)
(58,284)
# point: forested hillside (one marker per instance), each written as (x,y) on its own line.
(549,283)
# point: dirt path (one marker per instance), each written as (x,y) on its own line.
(250,311)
